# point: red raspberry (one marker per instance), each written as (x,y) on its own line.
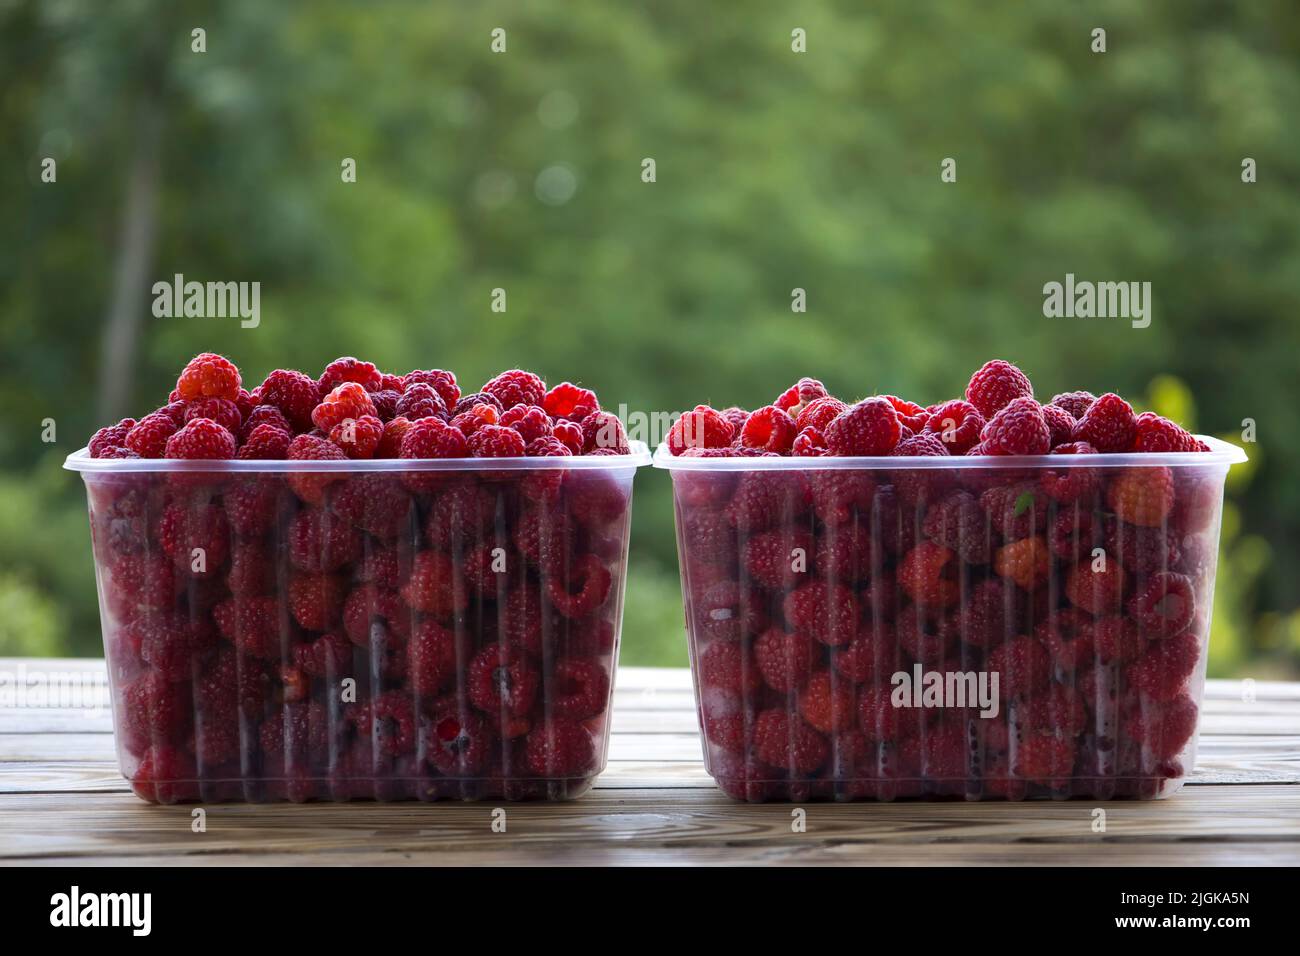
(184,530)
(107,439)
(925,573)
(435,585)
(988,617)
(1060,711)
(265,443)
(995,386)
(264,415)
(603,431)
(434,438)
(1165,605)
(1060,424)
(1024,667)
(957,424)
(442,382)
(224,413)
(868,428)
(957,522)
(385,401)
(201,438)
(702,428)
(496,441)
(215,743)
(1076,403)
(1116,639)
(728,611)
(294,393)
(819,413)
(148,437)
(458,744)
(1015,511)
(727,665)
(1068,635)
(823,610)
(503,682)
(328,657)
(795,398)
(316,600)
(919,446)
(433,658)
(1141,550)
(530,421)
(910,414)
(578,689)
(828,703)
(1045,759)
(421,401)
(1163,670)
(140,580)
(348,400)
(1017,429)
(175,410)
(568,401)
(1156,434)
(1108,425)
(373,502)
(838,493)
(168,642)
(732,732)
(1097,591)
(165,774)
(389,722)
(1163,730)
(349,369)
(253,625)
(321,541)
(1142,496)
(587,587)
(208,376)
(765,498)
(1068,485)
(923,638)
(308,486)
(560,748)
(785,660)
(471,421)
(940,755)
(867,655)
(155,710)
(251,569)
(769,429)
(390,442)
(783,740)
(358,437)
(771,557)
(374,614)
(809,443)
(251,504)
(467,402)
(517,387)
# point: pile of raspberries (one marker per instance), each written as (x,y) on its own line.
(1086,589)
(383,634)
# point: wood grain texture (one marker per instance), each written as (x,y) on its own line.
(62,800)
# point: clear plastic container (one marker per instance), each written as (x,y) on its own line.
(390,630)
(965,627)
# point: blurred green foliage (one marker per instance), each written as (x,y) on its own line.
(775,170)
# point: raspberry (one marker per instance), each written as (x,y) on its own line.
(146,580)
(1139,549)
(1097,591)
(165,774)
(603,431)
(728,611)
(374,502)
(568,401)
(586,589)
(1165,666)
(316,600)
(1068,635)
(306,485)
(148,437)
(844,554)
(1068,485)
(868,428)
(1163,730)
(732,732)
(295,394)
(819,413)
(838,493)
(321,541)
(1015,511)
(809,443)
(224,413)
(783,659)
(328,657)
(251,504)
(467,402)
(828,703)
(1060,711)
(795,398)
(727,665)
(923,445)
(1076,403)
(265,443)
(769,429)
(375,615)
(201,438)
(1060,424)
(560,748)
(1108,425)
(517,387)
(910,414)
(496,441)
(823,610)
(1156,434)
(109,438)
(390,442)
(783,740)
(880,720)
(940,755)
(434,438)
(253,625)
(215,743)
(922,637)
(1164,606)
(1073,534)
(771,557)
(957,424)
(1024,667)
(433,658)
(208,376)
(175,410)
(168,642)
(1017,429)
(503,682)
(578,689)
(1142,496)
(264,415)
(995,386)
(988,617)
(251,570)
(349,369)
(1045,759)
(1027,562)
(570,435)
(702,428)
(958,523)
(118,452)
(421,401)
(471,421)
(458,744)
(766,498)
(184,531)
(1116,640)
(864,657)
(923,573)
(348,400)
(442,382)
(530,421)
(155,710)
(435,585)
(385,401)
(358,437)
(389,721)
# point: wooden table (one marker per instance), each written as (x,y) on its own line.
(62,800)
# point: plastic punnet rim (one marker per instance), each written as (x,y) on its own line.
(80,460)
(1221,453)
